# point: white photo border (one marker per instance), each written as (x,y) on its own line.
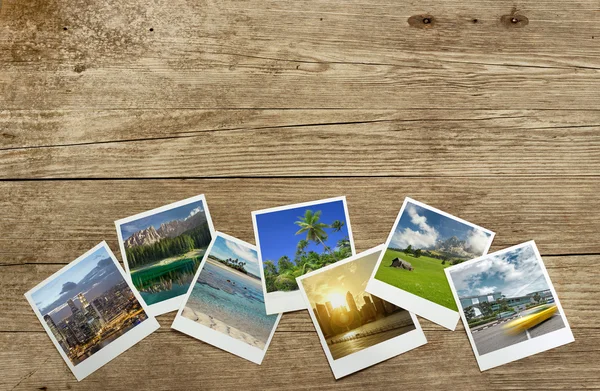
(173,303)
(434,312)
(280,302)
(522,349)
(213,337)
(373,354)
(117,346)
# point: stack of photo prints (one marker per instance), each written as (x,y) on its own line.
(231,294)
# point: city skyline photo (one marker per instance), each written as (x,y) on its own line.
(505,298)
(350,319)
(87,306)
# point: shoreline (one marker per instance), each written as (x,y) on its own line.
(217,325)
(166,261)
(229,269)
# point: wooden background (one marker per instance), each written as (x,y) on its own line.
(109,108)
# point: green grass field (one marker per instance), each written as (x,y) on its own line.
(427,280)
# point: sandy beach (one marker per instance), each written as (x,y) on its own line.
(234,271)
(221,327)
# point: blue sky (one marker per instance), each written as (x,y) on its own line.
(179,213)
(225,248)
(92,276)
(515,273)
(277,231)
(422,228)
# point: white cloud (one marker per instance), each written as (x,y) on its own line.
(486,290)
(197,209)
(425,237)
(515,273)
(243,252)
(477,242)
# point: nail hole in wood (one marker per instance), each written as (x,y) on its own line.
(151,29)
(65,28)
(421,21)
(513,20)
(475,20)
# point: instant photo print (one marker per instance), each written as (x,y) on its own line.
(356,329)
(508,305)
(423,242)
(295,239)
(162,249)
(225,304)
(90,311)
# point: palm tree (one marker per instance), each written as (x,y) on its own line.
(315,230)
(301,247)
(337,225)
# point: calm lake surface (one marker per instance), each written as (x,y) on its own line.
(162,281)
(233,299)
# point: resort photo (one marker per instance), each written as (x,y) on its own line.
(423,242)
(88,306)
(352,324)
(225,306)
(162,249)
(506,299)
(296,239)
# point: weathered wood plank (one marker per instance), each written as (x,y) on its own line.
(270,55)
(56,221)
(574,277)
(45,128)
(296,360)
(142,144)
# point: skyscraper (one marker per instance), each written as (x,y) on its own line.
(329,307)
(370,305)
(351,303)
(72,306)
(379,306)
(56,332)
(83,301)
(80,325)
(324,319)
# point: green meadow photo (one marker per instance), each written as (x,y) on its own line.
(164,248)
(422,245)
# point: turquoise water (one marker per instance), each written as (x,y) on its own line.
(238,302)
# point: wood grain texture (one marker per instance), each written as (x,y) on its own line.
(110,108)
(138,144)
(59,220)
(242,54)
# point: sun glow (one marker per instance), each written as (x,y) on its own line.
(337,300)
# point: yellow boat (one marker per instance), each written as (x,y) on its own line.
(530,318)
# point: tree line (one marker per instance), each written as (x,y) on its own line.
(282,277)
(232,263)
(198,237)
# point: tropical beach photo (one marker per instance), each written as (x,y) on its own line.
(506,299)
(422,244)
(349,318)
(88,306)
(163,248)
(294,241)
(228,295)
